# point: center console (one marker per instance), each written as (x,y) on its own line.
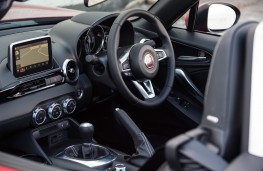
(40,91)
(65,141)
(88,153)
(66,144)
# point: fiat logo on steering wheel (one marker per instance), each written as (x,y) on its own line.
(149,60)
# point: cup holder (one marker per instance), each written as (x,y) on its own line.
(93,156)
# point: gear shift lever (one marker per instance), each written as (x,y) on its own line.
(88,154)
(86,132)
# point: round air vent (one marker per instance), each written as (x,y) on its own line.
(71,70)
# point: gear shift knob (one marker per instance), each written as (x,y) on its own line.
(86,132)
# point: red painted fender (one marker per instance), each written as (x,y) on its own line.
(20,11)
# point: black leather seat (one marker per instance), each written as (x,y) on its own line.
(216,141)
(218,137)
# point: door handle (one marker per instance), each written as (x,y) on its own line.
(189,83)
(192,58)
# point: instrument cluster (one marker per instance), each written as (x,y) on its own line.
(93,41)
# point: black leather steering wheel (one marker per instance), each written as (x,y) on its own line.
(140,63)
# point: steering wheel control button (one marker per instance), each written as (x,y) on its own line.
(69,106)
(70,70)
(39,116)
(126,65)
(54,111)
(160,55)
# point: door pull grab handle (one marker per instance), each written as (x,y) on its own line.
(181,74)
(192,58)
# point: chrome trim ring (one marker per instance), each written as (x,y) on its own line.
(64,69)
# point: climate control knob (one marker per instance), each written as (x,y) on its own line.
(69,105)
(54,111)
(39,116)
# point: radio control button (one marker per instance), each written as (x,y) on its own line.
(54,111)
(39,116)
(69,105)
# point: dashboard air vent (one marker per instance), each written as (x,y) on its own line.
(70,70)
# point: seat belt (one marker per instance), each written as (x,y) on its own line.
(187,152)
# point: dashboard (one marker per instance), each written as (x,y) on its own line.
(44,74)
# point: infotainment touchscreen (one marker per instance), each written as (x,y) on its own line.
(30,56)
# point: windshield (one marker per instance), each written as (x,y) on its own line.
(109,5)
(34,9)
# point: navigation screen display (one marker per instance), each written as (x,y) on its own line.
(31,56)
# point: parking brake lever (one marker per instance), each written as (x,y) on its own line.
(143,147)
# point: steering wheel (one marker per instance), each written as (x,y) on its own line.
(140,63)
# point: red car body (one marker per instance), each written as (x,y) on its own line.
(21,11)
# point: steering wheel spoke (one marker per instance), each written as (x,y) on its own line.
(145,88)
(125,64)
(161,54)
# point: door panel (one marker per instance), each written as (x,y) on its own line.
(194,62)
(193,53)
(198,40)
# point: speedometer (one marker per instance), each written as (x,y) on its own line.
(106,36)
(94,39)
(99,38)
(89,42)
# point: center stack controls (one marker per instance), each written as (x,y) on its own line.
(53,110)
